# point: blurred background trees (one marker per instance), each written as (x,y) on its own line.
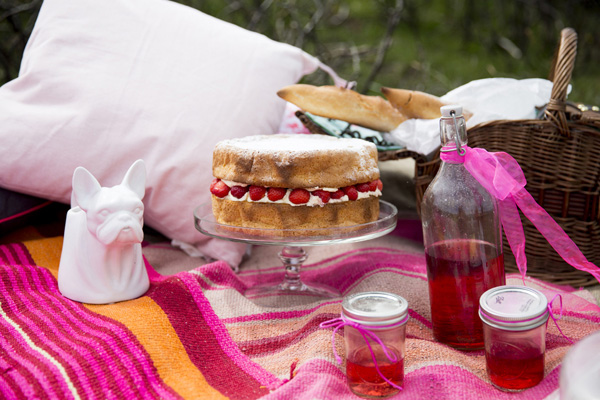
(427,45)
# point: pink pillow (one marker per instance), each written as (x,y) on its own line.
(106,82)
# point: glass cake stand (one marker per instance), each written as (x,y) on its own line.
(293,240)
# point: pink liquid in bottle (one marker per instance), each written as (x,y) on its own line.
(459,271)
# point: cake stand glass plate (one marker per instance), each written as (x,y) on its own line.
(293,240)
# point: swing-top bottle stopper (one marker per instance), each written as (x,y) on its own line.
(447,111)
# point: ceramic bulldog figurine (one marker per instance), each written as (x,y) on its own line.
(101,260)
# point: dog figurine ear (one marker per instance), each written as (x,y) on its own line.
(135,178)
(85,187)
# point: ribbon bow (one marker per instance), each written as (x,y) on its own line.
(338,323)
(500,174)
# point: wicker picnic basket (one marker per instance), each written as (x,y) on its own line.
(560,157)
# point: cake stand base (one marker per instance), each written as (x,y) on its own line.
(292,258)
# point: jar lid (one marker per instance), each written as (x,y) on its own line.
(375,308)
(515,308)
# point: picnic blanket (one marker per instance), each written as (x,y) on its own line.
(193,335)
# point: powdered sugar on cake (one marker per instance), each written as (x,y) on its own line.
(266,158)
(293,143)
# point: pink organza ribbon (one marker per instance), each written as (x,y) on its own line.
(555,319)
(503,178)
(338,323)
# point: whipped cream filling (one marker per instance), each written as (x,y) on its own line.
(312,202)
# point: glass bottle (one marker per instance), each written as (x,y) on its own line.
(374,337)
(463,241)
(514,330)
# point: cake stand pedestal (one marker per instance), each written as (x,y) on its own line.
(293,242)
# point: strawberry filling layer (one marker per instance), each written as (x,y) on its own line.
(310,197)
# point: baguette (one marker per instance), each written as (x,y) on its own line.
(415,104)
(372,112)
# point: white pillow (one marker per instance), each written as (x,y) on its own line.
(106,82)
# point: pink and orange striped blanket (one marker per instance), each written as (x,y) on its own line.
(194,336)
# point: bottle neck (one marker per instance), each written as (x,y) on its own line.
(453,130)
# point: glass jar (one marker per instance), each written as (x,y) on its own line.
(514,330)
(463,240)
(374,334)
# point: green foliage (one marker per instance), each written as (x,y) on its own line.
(428,45)
(16,22)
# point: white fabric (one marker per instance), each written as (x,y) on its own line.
(487,99)
(106,82)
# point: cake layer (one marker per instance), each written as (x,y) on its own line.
(296,161)
(284,216)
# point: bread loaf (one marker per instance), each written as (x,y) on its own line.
(415,104)
(335,102)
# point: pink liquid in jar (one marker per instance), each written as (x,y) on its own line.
(363,378)
(514,370)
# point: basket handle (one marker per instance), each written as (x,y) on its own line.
(560,75)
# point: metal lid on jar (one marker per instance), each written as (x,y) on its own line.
(375,308)
(514,308)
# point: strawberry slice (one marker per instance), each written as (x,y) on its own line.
(214,183)
(323,195)
(299,196)
(338,195)
(379,185)
(363,187)
(219,188)
(275,193)
(351,192)
(372,186)
(239,191)
(257,192)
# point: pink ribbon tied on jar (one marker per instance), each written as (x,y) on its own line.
(500,174)
(554,318)
(338,323)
